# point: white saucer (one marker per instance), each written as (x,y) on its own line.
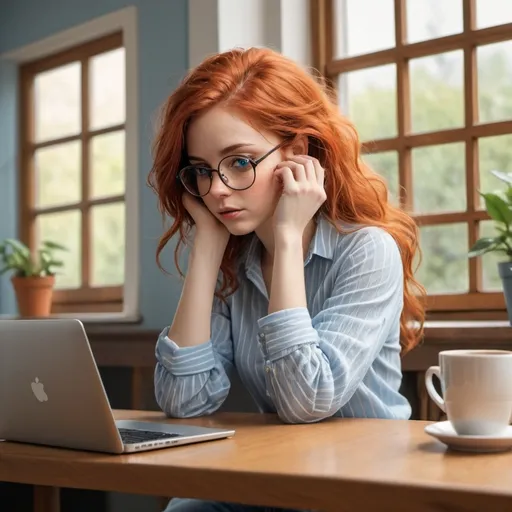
(444,432)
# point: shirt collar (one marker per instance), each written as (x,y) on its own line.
(253,258)
(324,239)
(322,244)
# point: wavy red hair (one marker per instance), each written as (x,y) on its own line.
(276,95)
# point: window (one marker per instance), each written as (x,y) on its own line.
(73,177)
(427,84)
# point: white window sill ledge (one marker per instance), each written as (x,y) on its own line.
(101,318)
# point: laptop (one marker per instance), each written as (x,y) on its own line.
(51,393)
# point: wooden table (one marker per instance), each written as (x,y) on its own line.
(337,465)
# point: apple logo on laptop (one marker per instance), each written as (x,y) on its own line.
(38,390)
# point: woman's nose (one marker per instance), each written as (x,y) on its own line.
(219,188)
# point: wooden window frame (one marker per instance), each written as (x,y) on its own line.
(475,303)
(85,299)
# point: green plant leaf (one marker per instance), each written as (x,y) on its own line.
(497,208)
(53,245)
(17,246)
(16,256)
(484,245)
(503,176)
(55,263)
(21,262)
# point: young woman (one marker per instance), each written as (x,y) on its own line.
(300,270)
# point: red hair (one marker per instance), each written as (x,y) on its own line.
(277,95)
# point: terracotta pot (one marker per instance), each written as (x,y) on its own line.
(34,295)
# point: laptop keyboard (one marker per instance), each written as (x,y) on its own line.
(132,436)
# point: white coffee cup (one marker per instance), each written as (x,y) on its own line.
(477,390)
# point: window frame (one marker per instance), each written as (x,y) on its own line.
(490,305)
(100,299)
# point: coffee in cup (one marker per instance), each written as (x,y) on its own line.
(477,390)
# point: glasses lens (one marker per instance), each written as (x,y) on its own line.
(196,180)
(237,172)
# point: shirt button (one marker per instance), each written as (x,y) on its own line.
(261,336)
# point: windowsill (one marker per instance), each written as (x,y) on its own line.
(91,318)
(468,330)
(438,328)
(454,335)
(466,324)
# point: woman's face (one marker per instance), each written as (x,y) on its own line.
(220,132)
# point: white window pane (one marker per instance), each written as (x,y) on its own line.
(439,178)
(368,98)
(385,163)
(444,264)
(107,164)
(493,12)
(494,153)
(437,92)
(430,19)
(363,26)
(64,228)
(108,244)
(58,176)
(107,89)
(57,103)
(494,64)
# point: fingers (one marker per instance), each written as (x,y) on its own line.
(305,168)
(320,172)
(317,171)
(298,170)
(308,165)
(285,174)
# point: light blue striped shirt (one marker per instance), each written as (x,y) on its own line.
(340,356)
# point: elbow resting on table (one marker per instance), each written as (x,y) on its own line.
(308,404)
(188,396)
(298,412)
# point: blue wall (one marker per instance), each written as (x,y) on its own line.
(162,58)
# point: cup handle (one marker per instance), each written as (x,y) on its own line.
(431,390)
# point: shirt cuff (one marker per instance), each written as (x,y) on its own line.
(283,331)
(180,361)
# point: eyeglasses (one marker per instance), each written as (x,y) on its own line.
(238,172)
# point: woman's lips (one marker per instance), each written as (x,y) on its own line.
(230,214)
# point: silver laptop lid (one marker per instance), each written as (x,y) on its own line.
(50,389)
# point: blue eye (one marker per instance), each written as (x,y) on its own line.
(240,163)
(202,171)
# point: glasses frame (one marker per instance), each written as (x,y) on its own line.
(211,171)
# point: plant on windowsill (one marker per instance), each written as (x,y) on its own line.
(33,274)
(499,207)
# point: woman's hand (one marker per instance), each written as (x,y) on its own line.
(207,226)
(302,179)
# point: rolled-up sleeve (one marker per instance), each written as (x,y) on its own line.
(194,381)
(314,365)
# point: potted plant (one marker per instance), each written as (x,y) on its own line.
(499,207)
(33,276)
